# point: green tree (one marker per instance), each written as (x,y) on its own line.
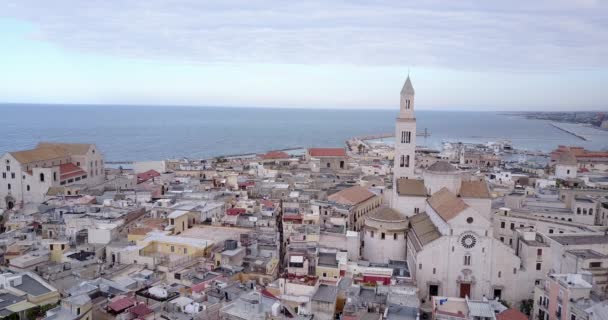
(526,306)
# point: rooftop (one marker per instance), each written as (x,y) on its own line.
(326,293)
(411,187)
(580,239)
(351,196)
(446,204)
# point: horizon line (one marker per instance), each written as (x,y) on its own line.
(139,105)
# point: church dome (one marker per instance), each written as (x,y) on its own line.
(387,219)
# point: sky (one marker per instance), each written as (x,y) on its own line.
(517,55)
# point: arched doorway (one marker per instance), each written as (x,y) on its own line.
(10,202)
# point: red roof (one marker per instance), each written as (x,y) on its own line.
(327,152)
(274,155)
(268,294)
(121,304)
(235,211)
(511,314)
(70,170)
(267,203)
(140,310)
(145,176)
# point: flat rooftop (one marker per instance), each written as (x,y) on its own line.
(214,233)
(580,239)
(31,286)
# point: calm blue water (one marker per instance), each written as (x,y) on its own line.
(147,133)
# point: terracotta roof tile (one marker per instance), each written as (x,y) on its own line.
(274,155)
(511,314)
(351,196)
(446,204)
(411,187)
(474,189)
(327,152)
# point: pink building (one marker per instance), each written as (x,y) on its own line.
(555,295)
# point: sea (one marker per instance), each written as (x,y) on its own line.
(139,133)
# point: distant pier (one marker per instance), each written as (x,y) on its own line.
(570,131)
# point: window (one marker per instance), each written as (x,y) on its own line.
(538,266)
(502,239)
(28,187)
(434,270)
(371,234)
(578,210)
(539,252)
(52,246)
(469,220)
(42,177)
(416,210)
(514,270)
(499,274)
(502,224)
(512,226)
(55,176)
(467,260)
(394,236)
(407,161)
(382,236)
(550,230)
(402,162)
(9,186)
(590,211)
(12,175)
(420,266)
(172,249)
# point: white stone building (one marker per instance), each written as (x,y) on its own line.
(384,237)
(451,248)
(566,166)
(27,175)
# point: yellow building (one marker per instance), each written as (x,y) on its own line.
(159,243)
(58,248)
(180,220)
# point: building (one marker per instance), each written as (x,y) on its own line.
(356,202)
(27,175)
(405,134)
(384,236)
(451,248)
(555,296)
(566,166)
(328,158)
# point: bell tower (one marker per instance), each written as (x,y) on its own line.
(405,135)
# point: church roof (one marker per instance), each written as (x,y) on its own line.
(38,154)
(351,196)
(408,89)
(474,189)
(386,214)
(71,148)
(442,166)
(423,228)
(411,187)
(446,204)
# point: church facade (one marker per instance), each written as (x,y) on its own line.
(450,245)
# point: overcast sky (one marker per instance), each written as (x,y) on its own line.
(471,55)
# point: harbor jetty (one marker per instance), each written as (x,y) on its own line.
(570,130)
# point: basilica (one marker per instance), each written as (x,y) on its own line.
(449,243)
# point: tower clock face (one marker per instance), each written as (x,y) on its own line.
(468,241)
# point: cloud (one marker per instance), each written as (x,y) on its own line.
(471,35)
